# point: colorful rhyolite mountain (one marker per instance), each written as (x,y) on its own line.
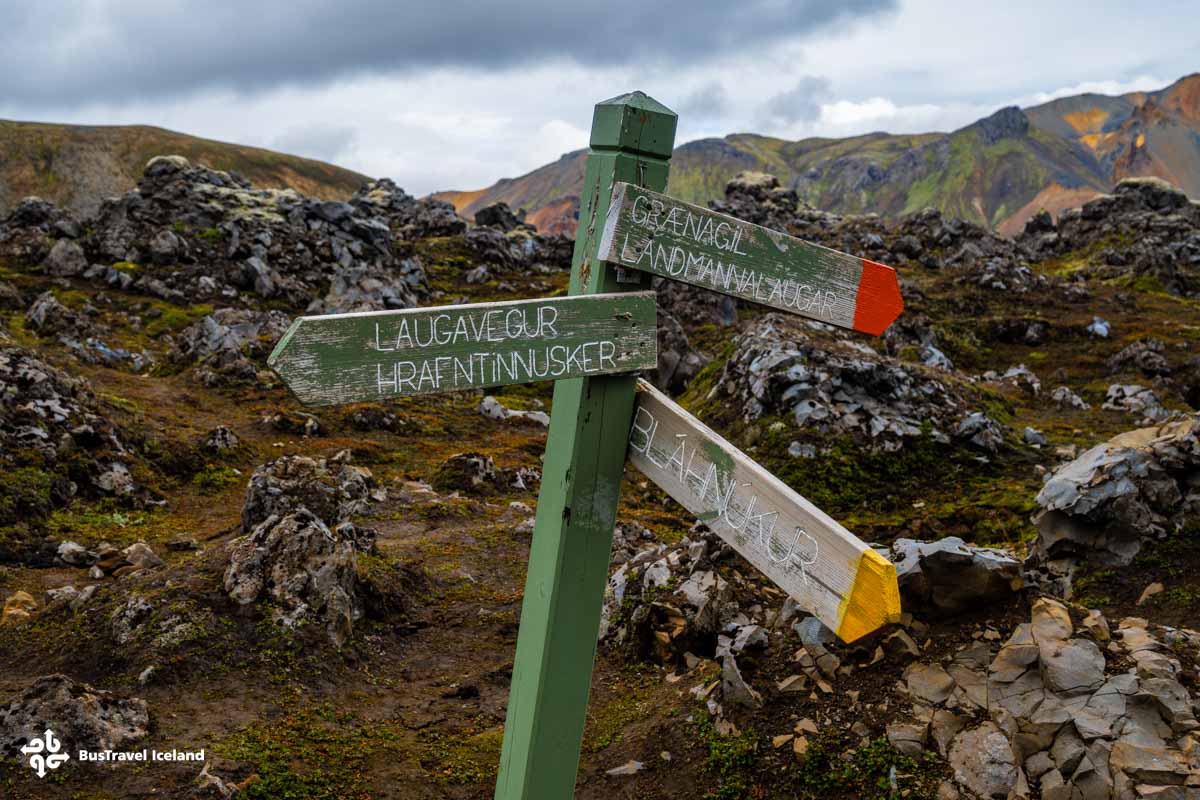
(998,171)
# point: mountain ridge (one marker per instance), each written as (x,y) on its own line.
(998,171)
(78,166)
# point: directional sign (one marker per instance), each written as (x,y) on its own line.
(655,233)
(351,358)
(354,358)
(831,573)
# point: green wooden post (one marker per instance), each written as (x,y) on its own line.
(632,138)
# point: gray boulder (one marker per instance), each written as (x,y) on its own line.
(1137,400)
(307,572)
(499,215)
(75,554)
(1104,502)
(678,361)
(79,715)
(1063,397)
(409,217)
(492,408)
(1144,356)
(66,259)
(983,761)
(908,736)
(839,388)
(166,247)
(230,341)
(361,287)
(950,576)
(330,488)
(981,431)
(49,317)
(221,439)
(466,472)
(734,688)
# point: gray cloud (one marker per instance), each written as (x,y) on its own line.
(74,51)
(322,141)
(710,100)
(801,103)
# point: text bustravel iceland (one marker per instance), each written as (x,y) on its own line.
(684,254)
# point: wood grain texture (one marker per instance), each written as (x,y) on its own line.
(354,358)
(828,570)
(652,232)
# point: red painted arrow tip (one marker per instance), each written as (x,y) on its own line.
(878,302)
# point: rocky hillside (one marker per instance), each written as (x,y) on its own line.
(997,172)
(78,166)
(327,600)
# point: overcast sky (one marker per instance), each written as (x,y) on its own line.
(460,93)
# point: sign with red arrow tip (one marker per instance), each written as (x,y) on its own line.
(654,233)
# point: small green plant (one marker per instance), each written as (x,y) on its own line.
(729,759)
(26,492)
(173,319)
(462,759)
(215,477)
(312,753)
(963,346)
(834,767)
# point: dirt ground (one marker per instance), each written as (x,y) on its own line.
(413,707)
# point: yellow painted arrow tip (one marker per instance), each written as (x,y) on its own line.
(873,600)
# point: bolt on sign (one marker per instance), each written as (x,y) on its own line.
(591,344)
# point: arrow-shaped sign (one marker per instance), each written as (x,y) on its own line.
(827,569)
(375,355)
(655,233)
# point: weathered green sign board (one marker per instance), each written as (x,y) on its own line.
(591,344)
(658,234)
(353,358)
(828,570)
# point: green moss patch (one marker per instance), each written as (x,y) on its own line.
(464,758)
(837,768)
(311,754)
(214,478)
(172,319)
(729,760)
(24,492)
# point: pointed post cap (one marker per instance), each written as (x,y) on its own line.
(634,123)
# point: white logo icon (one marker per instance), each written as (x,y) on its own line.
(44,753)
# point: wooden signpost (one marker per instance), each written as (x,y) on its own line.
(591,344)
(356,358)
(654,233)
(632,138)
(829,571)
